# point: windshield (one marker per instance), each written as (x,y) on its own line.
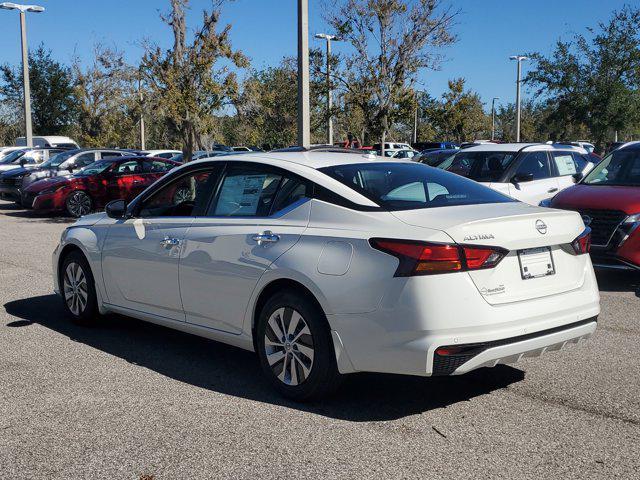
(408,186)
(480,166)
(620,167)
(13,157)
(94,168)
(56,160)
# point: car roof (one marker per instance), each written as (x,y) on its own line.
(306,164)
(517,147)
(630,146)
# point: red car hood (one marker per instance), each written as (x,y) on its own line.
(626,199)
(47,183)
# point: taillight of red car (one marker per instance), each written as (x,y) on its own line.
(425,258)
(582,243)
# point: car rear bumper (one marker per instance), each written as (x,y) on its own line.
(509,350)
(422,314)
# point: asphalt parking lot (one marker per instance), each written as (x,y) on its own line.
(127,399)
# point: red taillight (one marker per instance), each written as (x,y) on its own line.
(423,258)
(582,244)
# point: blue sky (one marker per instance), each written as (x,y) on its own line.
(489,32)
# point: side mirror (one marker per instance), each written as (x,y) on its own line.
(522,177)
(116,209)
(577,177)
(23,162)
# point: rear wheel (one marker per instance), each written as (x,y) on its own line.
(295,347)
(78,289)
(78,203)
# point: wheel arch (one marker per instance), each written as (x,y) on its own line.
(276,285)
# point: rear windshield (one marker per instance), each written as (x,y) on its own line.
(620,167)
(94,168)
(408,186)
(480,166)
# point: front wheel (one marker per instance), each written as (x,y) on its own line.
(295,347)
(78,289)
(78,204)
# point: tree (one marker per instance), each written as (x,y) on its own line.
(459,116)
(594,80)
(188,81)
(108,107)
(392,41)
(53,100)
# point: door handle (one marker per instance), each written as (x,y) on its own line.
(167,242)
(266,237)
(552,190)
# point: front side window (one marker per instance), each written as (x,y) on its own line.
(185,196)
(536,164)
(620,167)
(110,154)
(156,166)
(246,192)
(129,168)
(406,186)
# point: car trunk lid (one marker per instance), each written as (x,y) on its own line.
(534,237)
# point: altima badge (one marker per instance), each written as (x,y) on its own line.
(541,227)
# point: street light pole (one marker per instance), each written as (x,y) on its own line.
(493,117)
(28,131)
(328,39)
(304,133)
(519,59)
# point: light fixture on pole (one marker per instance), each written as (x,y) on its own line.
(518,59)
(493,116)
(28,132)
(329,38)
(304,128)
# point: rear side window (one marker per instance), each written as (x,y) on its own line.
(565,163)
(406,186)
(246,192)
(480,166)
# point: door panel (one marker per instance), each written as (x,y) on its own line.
(140,268)
(544,184)
(221,264)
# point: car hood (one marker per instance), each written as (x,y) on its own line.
(15,172)
(89,220)
(46,183)
(601,197)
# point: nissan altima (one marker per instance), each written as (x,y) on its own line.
(327,263)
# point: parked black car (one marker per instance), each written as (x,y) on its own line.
(434,158)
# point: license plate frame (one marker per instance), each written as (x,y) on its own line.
(536,263)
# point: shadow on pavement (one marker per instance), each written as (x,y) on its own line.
(41,217)
(221,368)
(618,281)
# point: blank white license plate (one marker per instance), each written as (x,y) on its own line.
(536,262)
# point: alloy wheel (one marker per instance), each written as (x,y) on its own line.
(76,289)
(79,204)
(288,345)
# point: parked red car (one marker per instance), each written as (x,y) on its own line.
(95,185)
(608,199)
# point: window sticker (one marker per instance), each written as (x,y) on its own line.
(240,195)
(565,164)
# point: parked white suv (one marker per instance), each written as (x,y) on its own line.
(330,263)
(527,172)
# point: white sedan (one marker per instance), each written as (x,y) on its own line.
(330,263)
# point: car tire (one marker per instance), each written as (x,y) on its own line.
(78,203)
(295,347)
(78,289)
